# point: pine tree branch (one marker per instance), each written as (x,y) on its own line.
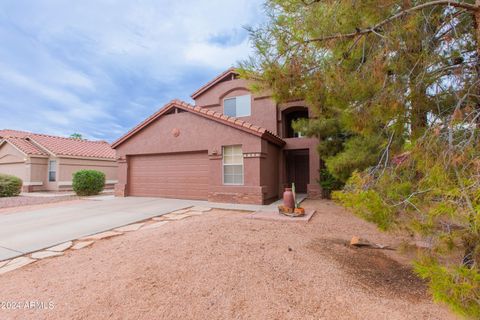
(375,28)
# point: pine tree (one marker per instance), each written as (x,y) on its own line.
(395,87)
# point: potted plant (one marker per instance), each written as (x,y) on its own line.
(290,205)
(298,211)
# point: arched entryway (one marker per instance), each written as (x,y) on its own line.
(289,116)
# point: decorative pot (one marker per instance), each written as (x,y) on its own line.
(299,211)
(288,198)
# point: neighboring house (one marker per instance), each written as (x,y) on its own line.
(46,162)
(232,146)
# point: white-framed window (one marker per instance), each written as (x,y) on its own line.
(232,165)
(240,106)
(52,170)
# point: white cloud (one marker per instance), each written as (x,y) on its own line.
(103,64)
(216,56)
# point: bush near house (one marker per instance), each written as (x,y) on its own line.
(10,186)
(88,182)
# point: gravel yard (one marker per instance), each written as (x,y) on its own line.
(221,265)
(22,201)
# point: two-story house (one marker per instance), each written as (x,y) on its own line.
(231,146)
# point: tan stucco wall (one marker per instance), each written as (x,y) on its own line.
(34,170)
(67,167)
(12,162)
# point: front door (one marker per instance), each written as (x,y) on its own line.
(298,172)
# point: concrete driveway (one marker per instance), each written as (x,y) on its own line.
(32,230)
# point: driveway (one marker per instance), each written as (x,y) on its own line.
(32,230)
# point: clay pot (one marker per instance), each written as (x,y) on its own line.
(288,198)
(299,211)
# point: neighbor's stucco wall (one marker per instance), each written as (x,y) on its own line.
(263,111)
(197,133)
(66,167)
(38,168)
(12,162)
(69,166)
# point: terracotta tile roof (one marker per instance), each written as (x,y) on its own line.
(33,143)
(213,82)
(13,133)
(213,115)
(25,146)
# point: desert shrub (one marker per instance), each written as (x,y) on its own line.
(88,182)
(367,204)
(457,286)
(10,186)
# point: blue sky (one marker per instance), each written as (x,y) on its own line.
(98,67)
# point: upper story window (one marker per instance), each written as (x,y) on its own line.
(240,106)
(52,170)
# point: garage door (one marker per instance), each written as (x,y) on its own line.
(176,175)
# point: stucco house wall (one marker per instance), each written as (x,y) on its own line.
(12,162)
(274,156)
(38,170)
(26,155)
(263,109)
(68,166)
(196,133)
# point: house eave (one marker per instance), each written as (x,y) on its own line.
(209,114)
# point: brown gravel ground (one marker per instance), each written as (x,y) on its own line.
(224,266)
(22,201)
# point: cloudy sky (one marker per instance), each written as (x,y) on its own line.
(98,67)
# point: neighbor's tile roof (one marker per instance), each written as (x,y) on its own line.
(207,113)
(14,133)
(26,146)
(42,144)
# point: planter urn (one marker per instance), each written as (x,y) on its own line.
(288,198)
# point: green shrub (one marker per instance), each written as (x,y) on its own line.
(458,286)
(88,182)
(369,206)
(329,183)
(10,186)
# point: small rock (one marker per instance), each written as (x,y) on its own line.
(154,225)
(130,227)
(61,247)
(82,244)
(102,235)
(177,217)
(45,254)
(16,263)
(182,211)
(290,249)
(203,209)
(194,213)
(359,242)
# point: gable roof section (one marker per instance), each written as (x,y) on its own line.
(24,146)
(206,113)
(213,82)
(74,147)
(42,144)
(14,133)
